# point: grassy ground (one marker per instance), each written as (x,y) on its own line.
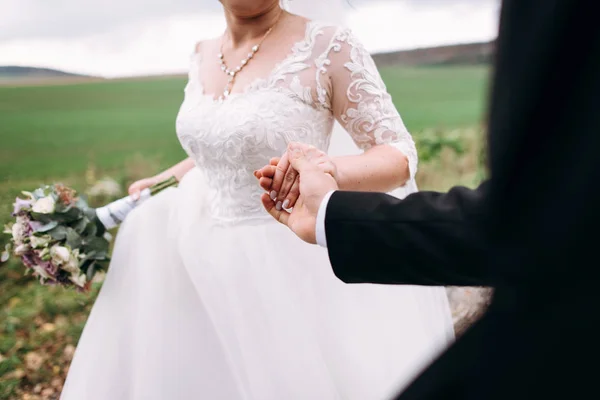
(77,134)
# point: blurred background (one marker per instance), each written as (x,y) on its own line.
(89,92)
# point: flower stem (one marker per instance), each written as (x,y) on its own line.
(160,186)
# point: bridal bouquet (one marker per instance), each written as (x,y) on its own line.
(63,240)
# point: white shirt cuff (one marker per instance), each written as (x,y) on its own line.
(320,228)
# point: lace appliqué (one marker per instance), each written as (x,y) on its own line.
(370,116)
(230,139)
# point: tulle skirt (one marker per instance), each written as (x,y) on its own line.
(193,308)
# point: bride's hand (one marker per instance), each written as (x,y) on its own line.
(281,181)
(266,173)
(136,187)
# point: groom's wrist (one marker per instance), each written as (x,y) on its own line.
(320,235)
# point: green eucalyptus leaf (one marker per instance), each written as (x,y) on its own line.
(90,213)
(80,225)
(96,244)
(90,229)
(73,239)
(82,202)
(43,218)
(39,193)
(70,215)
(86,260)
(60,207)
(101,255)
(58,233)
(91,271)
(48,227)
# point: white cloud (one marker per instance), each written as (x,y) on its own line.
(131,37)
(154,46)
(394,25)
(74,18)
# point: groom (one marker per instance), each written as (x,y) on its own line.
(532,231)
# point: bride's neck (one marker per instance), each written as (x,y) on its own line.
(244,29)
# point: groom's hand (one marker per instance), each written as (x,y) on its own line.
(314,185)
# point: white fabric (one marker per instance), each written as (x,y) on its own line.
(207,297)
(113,214)
(320,235)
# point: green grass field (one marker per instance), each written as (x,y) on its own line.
(49,131)
(125,129)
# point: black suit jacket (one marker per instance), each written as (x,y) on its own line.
(531,231)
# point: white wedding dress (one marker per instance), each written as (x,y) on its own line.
(207,297)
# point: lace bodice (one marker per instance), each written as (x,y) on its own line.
(327,76)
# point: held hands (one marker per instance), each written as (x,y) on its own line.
(281,180)
(299,180)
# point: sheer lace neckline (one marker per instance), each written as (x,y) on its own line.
(327,76)
(259,81)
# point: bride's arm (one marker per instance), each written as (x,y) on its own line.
(351,87)
(379,169)
(362,105)
(178,171)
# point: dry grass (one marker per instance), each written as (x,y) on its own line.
(450,167)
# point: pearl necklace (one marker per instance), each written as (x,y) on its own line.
(232,73)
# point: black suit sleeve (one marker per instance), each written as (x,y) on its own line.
(429,238)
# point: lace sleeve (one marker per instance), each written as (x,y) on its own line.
(360,101)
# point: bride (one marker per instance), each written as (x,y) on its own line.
(208,297)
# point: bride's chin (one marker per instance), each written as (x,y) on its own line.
(249,9)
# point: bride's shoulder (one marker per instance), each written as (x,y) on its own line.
(330,33)
(206,46)
(330,39)
(323,28)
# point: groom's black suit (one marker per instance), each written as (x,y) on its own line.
(532,231)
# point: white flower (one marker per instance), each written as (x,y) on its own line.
(60,255)
(67,260)
(29,195)
(38,242)
(72,266)
(45,254)
(78,280)
(19,230)
(45,205)
(41,272)
(22,249)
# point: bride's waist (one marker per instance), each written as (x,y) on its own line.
(228,200)
(235,206)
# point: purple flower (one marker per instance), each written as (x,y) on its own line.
(35,225)
(28,259)
(50,268)
(20,205)
(43,269)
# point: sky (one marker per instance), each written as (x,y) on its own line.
(118,38)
